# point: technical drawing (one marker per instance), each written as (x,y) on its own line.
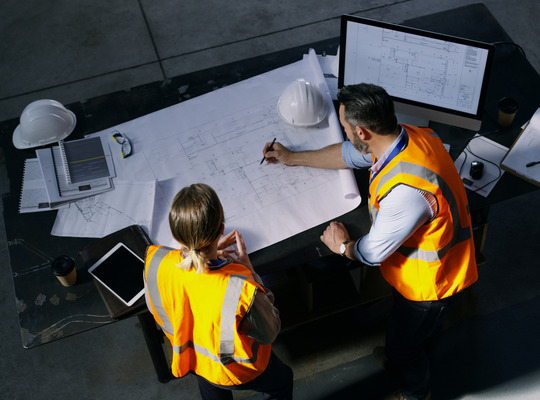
(421,68)
(226,153)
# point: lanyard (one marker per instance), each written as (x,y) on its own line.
(399,146)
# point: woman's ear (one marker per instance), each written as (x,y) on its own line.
(222,229)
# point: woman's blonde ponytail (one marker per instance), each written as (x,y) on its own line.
(195,218)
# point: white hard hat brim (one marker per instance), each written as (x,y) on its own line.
(320,117)
(20,143)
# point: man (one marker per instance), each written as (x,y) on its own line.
(421,234)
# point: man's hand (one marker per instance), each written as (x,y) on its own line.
(334,235)
(279,153)
(327,157)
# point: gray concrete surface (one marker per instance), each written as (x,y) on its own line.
(75,50)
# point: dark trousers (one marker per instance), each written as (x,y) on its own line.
(276,383)
(411,336)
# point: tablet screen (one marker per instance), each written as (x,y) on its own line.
(121,271)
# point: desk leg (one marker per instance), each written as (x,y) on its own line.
(154,340)
(480,224)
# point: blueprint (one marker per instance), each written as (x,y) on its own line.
(218,139)
(420,68)
(128,204)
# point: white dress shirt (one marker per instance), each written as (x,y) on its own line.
(403,210)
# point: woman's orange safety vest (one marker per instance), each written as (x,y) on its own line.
(200,314)
(438,259)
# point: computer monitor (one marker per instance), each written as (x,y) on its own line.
(430,76)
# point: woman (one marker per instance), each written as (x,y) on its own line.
(215,310)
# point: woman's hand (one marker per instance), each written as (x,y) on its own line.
(225,245)
(242,257)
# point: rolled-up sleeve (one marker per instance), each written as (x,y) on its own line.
(401,213)
(353,158)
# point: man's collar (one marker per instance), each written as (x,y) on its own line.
(380,162)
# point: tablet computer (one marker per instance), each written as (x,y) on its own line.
(121,271)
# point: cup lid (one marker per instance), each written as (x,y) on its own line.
(62,265)
(508,105)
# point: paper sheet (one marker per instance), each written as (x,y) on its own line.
(526,150)
(218,138)
(348,182)
(488,152)
(129,203)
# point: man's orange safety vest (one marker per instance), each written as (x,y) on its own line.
(200,314)
(438,260)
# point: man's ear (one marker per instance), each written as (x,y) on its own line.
(362,133)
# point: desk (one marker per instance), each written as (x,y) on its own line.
(48,311)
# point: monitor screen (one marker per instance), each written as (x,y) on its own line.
(430,76)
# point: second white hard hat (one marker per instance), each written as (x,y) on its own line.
(301,104)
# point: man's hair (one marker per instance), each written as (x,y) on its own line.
(196,218)
(368,106)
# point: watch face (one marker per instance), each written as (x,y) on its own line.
(342,248)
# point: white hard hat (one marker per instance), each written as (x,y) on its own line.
(301,104)
(43,122)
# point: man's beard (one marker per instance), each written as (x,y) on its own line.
(360,145)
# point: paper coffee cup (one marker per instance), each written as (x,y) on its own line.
(64,269)
(507,111)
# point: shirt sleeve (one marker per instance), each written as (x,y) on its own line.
(353,158)
(262,321)
(401,213)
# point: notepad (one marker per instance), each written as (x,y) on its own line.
(86,160)
(58,190)
(33,192)
(525,150)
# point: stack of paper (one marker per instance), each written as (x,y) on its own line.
(65,173)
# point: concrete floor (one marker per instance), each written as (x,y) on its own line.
(74,50)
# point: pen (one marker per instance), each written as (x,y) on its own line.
(532,163)
(269,149)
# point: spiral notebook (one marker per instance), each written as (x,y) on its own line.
(71,172)
(34,195)
(85,160)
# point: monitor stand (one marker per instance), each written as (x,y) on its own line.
(412,120)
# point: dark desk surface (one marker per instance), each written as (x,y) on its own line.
(48,311)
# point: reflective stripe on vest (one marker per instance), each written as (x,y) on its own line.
(228,315)
(459,234)
(153,289)
(224,359)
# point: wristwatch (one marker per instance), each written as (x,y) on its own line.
(343,247)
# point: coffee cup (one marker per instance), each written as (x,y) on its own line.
(507,111)
(64,269)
